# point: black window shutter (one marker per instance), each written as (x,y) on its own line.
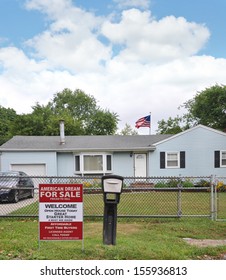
(77,163)
(216,159)
(162,160)
(182,159)
(108,162)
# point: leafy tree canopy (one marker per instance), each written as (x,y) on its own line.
(80,112)
(7,116)
(171,126)
(128,130)
(208,107)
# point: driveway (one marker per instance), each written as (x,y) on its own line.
(7,208)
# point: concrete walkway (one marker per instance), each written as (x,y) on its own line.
(7,208)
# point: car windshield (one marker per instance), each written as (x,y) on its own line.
(8,176)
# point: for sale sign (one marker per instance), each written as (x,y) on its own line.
(60,212)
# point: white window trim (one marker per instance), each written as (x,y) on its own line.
(221,158)
(178,159)
(104,157)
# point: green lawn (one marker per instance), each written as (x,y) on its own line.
(140,238)
(147,203)
(136,239)
(221,205)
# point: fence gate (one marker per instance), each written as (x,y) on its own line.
(220,198)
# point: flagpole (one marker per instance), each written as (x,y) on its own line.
(150,125)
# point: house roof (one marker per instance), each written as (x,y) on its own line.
(84,143)
(200,126)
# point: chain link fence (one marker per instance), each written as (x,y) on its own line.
(220,198)
(141,197)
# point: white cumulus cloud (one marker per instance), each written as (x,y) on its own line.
(146,40)
(132,3)
(132,64)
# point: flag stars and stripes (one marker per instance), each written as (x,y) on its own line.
(143,122)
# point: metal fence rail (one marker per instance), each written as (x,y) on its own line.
(141,197)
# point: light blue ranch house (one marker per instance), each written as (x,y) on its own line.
(199,151)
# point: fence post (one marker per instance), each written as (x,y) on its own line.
(213,197)
(179,198)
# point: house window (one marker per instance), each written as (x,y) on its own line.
(223,158)
(93,163)
(219,159)
(172,159)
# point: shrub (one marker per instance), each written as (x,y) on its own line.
(173,183)
(221,187)
(187,184)
(203,183)
(161,185)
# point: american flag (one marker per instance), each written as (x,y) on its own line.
(143,122)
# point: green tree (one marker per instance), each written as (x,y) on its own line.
(171,126)
(102,122)
(79,104)
(7,117)
(79,111)
(208,107)
(128,130)
(43,121)
(84,111)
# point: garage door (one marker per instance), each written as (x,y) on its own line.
(30,169)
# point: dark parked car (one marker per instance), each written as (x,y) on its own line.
(15,185)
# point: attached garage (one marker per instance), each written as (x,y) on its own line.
(30,169)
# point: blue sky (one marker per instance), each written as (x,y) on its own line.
(133,56)
(23,24)
(210,13)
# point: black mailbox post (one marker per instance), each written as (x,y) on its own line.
(112,188)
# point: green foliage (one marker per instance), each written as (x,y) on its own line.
(221,187)
(174,183)
(78,104)
(82,110)
(171,126)
(79,111)
(203,183)
(103,122)
(187,184)
(161,185)
(7,117)
(208,107)
(128,130)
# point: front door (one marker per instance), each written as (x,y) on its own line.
(140,165)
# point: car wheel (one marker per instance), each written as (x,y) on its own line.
(31,194)
(16,196)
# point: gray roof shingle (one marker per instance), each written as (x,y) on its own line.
(82,143)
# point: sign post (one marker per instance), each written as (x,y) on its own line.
(61,212)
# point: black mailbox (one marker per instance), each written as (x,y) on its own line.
(112,187)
